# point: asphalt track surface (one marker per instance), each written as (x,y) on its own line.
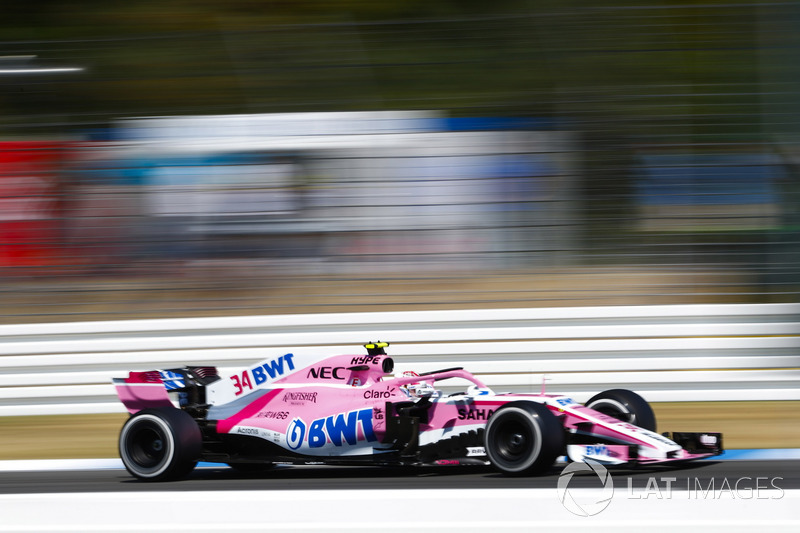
(693,476)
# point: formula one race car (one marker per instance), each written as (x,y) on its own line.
(349,409)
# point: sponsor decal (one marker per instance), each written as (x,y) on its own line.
(172,380)
(448,462)
(597,451)
(655,436)
(366,360)
(300,397)
(377,413)
(379,394)
(295,434)
(475,414)
(565,401)
(708,440)
(642,431)
(338,429)
(476,451)
(259,432)
(327,372)
(659,438)
(278,415)
(271,370)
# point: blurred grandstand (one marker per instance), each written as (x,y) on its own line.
(526,156)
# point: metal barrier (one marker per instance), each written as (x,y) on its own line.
(667,353)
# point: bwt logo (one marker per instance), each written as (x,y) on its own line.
(272,369)
(585,502)
(599,450)
(337,429)
(260,374)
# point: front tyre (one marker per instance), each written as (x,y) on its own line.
(523,439)
(160,444)
(626,406)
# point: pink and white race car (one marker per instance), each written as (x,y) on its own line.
(351,410)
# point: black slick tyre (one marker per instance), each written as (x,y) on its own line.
(626,406)
(160,444)
(523,439)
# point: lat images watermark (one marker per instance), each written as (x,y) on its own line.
(742,488)
(583,501)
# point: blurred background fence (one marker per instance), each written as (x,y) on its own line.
(673,353)
(165,160)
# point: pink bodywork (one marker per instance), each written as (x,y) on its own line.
(302,396)
(141,390)
(337,406)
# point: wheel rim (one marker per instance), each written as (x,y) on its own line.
(147,447)
(512,442)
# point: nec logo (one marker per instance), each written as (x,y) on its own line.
(327,372)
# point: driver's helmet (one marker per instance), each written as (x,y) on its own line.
(417,390)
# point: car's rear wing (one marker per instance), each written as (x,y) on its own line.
(142,390)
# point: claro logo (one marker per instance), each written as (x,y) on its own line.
(378,394)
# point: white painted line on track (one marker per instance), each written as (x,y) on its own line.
(453,510)
(55,465)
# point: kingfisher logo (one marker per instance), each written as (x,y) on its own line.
(338,430)
(583,501)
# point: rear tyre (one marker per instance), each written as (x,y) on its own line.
(523,439)
(160,444)
(626,406)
